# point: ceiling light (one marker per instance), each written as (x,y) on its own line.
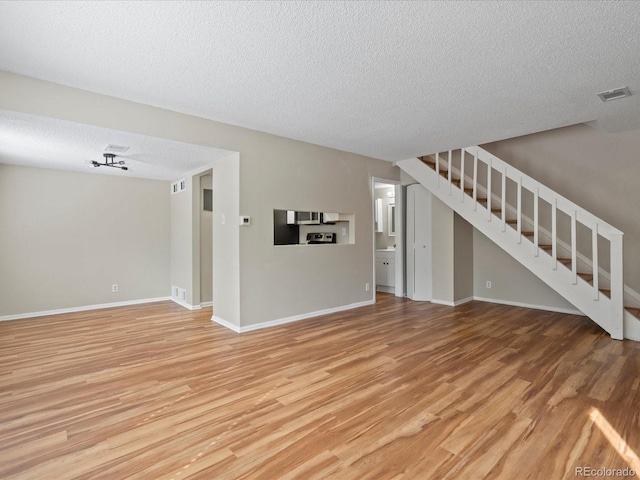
(614,94)
(109,162)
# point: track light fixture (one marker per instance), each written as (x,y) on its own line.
(109,162)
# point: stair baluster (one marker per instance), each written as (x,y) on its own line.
(604,307)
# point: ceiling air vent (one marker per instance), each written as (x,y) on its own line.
(614,94)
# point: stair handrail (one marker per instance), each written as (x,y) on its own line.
(576,213)
(547,194)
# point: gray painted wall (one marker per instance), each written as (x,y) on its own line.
(463,259)
(181,240)
(67,237)
(274,172)
(510,281)
(593,168)
(226,239)
(258,282)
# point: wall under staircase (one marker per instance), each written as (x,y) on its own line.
(571,250)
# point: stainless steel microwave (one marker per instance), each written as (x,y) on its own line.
(304,218)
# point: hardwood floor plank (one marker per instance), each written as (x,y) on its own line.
(397,390)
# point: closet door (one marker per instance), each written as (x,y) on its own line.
(419,281)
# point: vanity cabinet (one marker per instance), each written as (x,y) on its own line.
(385,268)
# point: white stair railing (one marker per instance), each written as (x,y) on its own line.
(583,289)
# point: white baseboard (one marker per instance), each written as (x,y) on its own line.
(206,304)
(224,323)
(184,304)
(571,311)
(631,327)
(452,304)
(462,301)
(83,308)
(294,318)
(384,289)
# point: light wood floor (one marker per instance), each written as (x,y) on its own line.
(399,390)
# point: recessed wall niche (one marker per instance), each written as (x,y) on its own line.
(302,227)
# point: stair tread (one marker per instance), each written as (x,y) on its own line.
(498,211)
(445,174)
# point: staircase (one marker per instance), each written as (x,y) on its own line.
(571,250)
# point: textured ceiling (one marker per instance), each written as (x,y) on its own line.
(385,79)
(50,143)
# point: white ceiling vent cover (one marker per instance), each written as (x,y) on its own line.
(115,148)
(614,94)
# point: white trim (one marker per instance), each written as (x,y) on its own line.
(631,327)
(462,301)
(294,318)
(546,308)
(184,304)
(452,304)
(224,323)
(631,296)
(442,302)
(400,287)
(385,289)
(206,304)
(83,308)
(629,292)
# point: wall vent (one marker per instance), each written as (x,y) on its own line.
(179,293)
(179,186)
(614,94)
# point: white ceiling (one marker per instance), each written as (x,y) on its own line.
(51,143)
(385,79)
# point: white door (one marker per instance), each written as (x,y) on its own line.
(418,243)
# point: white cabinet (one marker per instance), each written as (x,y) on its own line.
(385,268)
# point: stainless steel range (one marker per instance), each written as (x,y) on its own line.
(317,238)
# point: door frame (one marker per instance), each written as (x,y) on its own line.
(399,224)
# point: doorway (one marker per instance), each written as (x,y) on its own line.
(388,237)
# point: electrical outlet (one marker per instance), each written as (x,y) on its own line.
(488,283)
(114,287)
(344,231)
(366,286)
